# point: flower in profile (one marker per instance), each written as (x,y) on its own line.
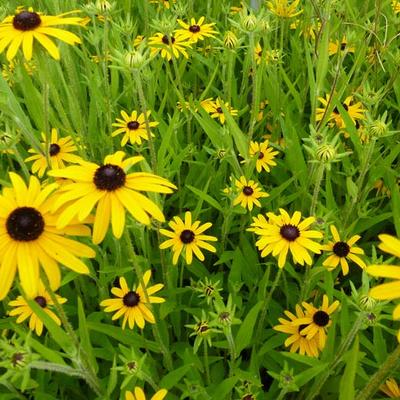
(188,236)
(139,39)
(29,237)
(336,47)
(396,6)
(20,30)
(169,45)
(55,152)
(113,190)
(270,56)
(196,31)
(265,155)
(133,304)
(355,111)
(390,387)
(215,110)
(317,320)
(134,127)
(249,193)
(283,9)
(297,342)
(309,30)
(166,3)
(388,290)
(342,250)
(24,311)
(283,233)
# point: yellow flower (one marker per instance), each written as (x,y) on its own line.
(215,109)
(169,46)
(298,342)
(139,394)
(113,190)
(134,127)
(396,6)
(317,320)
(187,236)
(20,30)
(335,47)
(342,250)
(133,304)
(283,9)
(390,387)
(283,233)
(265,155)
(30,238)
(58,151)
(165,3)
(270,56)
(389,290)
(355,111)
(196,30)
(24,311)
(139,39)
(249,193)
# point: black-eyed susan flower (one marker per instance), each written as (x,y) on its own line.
(391,388)
(249,193)
(26,25)
(29,237)
(355,111)
(134,127)
(196,31)
(55,152)
(264,154)
(169,45)
(389,290)
(187,236)
(215,110)
(396,6)
(342,250)
(297,342)
(139,39)
(284,9)
(317,320)
(24,311)
(283,233)
(113,190)
(335,47)
(138,394)
(133,304)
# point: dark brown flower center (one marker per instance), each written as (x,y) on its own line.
(194,28)
(321,318)
(290,232)
(260,155)
(54,149)
(131,299)
(25,224)
(109,177)
(346,107)
(341,249)
(187,236)
(166,40)
(133,125)
(41,301)
(248,191)
(335,110)
(16,358)
(219,110)
(26,21)
(301,327)
(343,46)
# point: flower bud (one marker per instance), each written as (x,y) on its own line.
(230,40)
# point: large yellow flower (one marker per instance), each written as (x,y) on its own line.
(29,237)
(189,236)
(20,30)
(196,31)
(24,311)
(169,46)
(283,233)
(132,304)
(113,190)
(57,152)
(298,342)
(139,394)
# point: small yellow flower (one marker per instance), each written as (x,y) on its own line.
(265,155)
(189,237)
(134,127)
(249,193)
(133,304)
(215,110)
(24,311)
(57,151)
(341,251)
(165,3)
(169,45)
(282,8)
(335,47)
(196,31)
(390,387)
(396,6)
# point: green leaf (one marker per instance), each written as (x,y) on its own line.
(347,391)
(173,378)
(304,377)
(245,333)
(313,362)
(224,388)
(113,379)
(207,198)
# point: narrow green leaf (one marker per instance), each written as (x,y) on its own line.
(206,197)
(347,390)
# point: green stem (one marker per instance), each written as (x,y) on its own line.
(317,188)
(207,367)
(254,89)
(391,364)
(231,344)
(305,285)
